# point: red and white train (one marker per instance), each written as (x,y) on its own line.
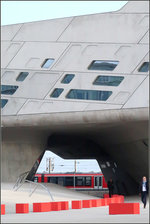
(77,180)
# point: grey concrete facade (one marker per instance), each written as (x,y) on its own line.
(115,130)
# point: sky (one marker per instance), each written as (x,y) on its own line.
(61,165)
(13,12)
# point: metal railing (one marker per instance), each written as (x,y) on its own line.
(22,179)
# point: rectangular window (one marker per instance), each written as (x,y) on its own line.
(79,181)
(67,79)
(69,181)
(56,93)
(108,80)
(21,77)
(3,102)
(144,67)
(88,181)
(47,63)
(103,65)
(83,94)
(53,180)
(8,89)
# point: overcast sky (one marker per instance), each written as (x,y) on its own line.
(13,12)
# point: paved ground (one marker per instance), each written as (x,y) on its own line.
(85,215)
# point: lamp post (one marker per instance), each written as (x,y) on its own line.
(75,164)
(75,170)
(49,164)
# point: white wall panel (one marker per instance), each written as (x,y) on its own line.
(105,28)
(39,51)
(12,106)
(37,86)
(140,98)
(79,57)
(100,106)
(135,7)
(8,51)
(9,31)
(145,39)
(48,30)
(50,107)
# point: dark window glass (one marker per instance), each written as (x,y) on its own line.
(88,94)
(21,77)
(144,67)
(42,178)
(35,179)
(8,89)
(61,181)
(53,180)
(88,181)
(56,93)
(108,80)
(79,181)
(69,181)
(47,63)
(103,65)
(3,102)
(67,79)
(100,181)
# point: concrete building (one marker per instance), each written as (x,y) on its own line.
(80,87)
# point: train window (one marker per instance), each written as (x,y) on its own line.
(35,179)
(48,179)
(69,181)
(88,181)
(54,180)
(42,178)
(79,181)
(61,181)
(100,181)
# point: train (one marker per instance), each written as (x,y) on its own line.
(90,181)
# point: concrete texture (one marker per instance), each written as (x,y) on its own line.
(86,215)
(114,130)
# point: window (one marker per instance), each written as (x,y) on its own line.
(103,65)
(47,63)
(108,80)
(79,181)
(3,102)
(67,79)
(69,181)
(21,77)
(88,94)
(144,67)
(87,181)
(56,93)
(8,89)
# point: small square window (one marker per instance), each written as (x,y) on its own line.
(67,79)
(3,102)
(103,65)
(56,93)
(144,67)
(21,77)
(47,63)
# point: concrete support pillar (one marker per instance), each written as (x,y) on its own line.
(20,150)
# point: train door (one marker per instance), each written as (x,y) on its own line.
(97,182)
